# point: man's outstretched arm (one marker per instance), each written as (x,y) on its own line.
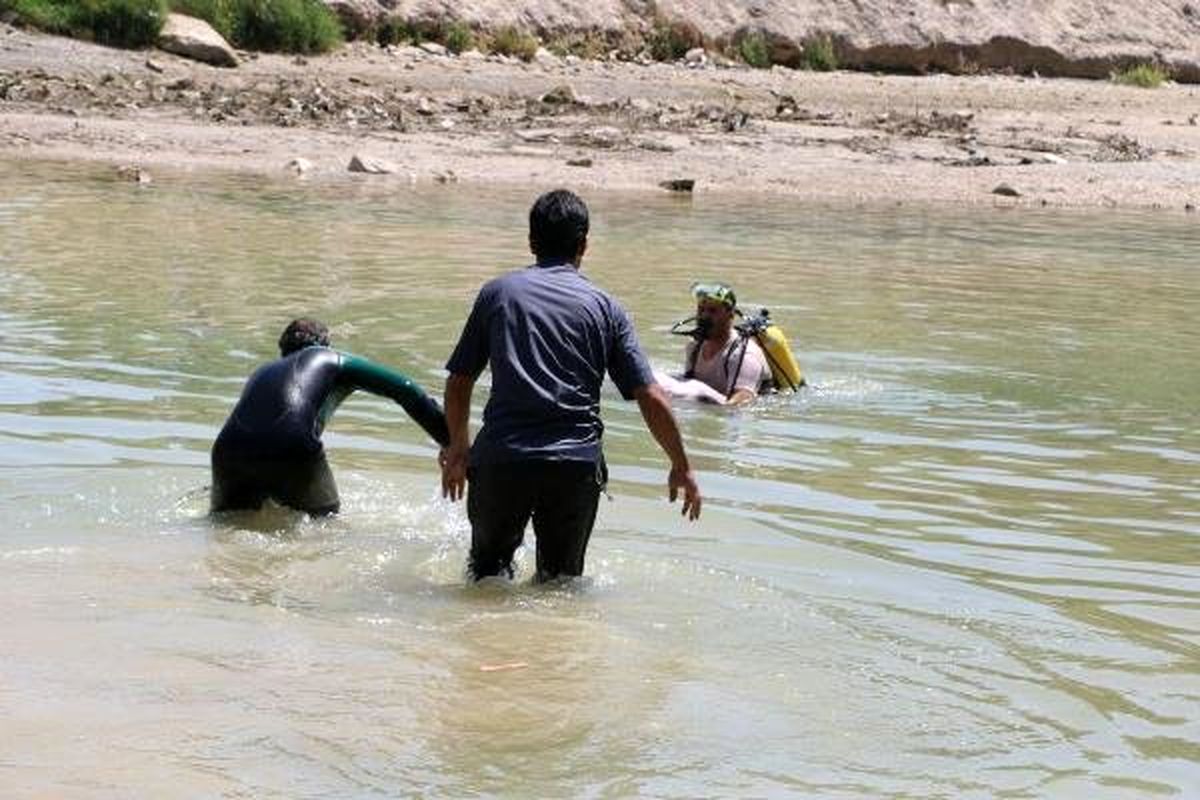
(656,411)
(454,456)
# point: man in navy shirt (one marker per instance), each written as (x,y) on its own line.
(270,447)
(549,336)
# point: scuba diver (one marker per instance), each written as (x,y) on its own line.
(728,363)
(270,447)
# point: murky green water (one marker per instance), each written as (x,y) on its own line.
(966,563)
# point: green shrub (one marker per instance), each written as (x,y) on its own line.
(456,36)
(819,54)
(670,41)
(1145,76)
(395,30)
(288,26)
(589,44)
(221,14)
(459,37)
(510,41)
(753,50)
(296,26)
(123,23)
(53,16)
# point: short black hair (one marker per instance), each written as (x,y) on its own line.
(301,333)
(558,224)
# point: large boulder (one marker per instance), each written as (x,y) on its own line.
(196,39)
(1078,38)
(1052,37)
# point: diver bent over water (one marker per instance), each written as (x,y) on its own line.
(270,447)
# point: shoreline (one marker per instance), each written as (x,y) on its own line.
(841,138)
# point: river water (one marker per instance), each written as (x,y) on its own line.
(964,563)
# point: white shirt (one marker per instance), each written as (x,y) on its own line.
(718,371)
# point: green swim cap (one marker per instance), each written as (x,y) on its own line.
(720,292)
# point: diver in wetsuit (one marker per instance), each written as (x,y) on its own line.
(270,447)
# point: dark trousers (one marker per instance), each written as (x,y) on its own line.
(559,496)
(240,482)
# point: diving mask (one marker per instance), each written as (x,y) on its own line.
(718,292)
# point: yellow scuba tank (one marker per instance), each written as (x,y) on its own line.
(784,368)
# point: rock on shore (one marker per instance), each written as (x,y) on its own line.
(1072,38)
(196,39)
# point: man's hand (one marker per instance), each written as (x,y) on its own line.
(683,479)
(453,457)
(454,471)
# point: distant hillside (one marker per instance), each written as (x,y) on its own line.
(1075,38)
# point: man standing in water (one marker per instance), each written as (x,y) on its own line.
(271,445)
(548,335)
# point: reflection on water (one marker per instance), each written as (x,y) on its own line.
(963,563)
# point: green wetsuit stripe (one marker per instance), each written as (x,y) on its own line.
(362,373)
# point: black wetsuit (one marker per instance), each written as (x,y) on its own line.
(270,447)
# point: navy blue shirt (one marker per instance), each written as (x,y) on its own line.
(549,335)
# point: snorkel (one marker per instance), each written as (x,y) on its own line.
(699,330)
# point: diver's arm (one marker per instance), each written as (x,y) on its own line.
(691,389)
(740,397)
(454,457)
(364,374)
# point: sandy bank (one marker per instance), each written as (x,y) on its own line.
(841,137)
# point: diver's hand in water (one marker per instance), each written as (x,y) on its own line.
(683,479)
(690,389)
(454,471)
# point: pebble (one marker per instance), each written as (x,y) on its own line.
(678,184)
(661,144)
(369,165)
(605,136)
(134,174)
(563,94)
